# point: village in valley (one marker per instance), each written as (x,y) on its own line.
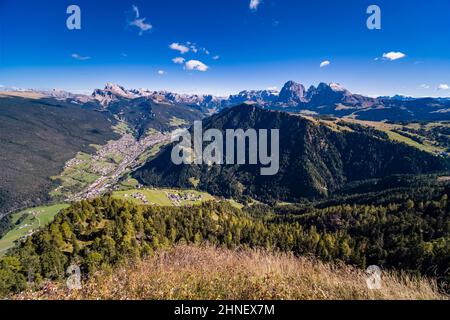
(161,196)
(89,176)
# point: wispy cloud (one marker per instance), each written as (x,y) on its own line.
(216,57)
(443,86)
(139,22)
(77,56)
(196,65)
(179,47)
(254,4)
(424,86)
(178,60)
(161,72)
(325,63)
(393,55)
(189,46)
(192,46)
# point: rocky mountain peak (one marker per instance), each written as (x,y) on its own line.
(292,93)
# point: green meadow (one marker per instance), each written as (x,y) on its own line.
(27,221)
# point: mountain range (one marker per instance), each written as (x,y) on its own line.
(325,99)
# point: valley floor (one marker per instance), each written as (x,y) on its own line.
(209,273)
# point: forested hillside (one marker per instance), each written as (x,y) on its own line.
(411,235)
(315,160)
(37,137)
(143,114)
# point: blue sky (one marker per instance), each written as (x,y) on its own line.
(231,45)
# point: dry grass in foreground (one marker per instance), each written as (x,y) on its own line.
(187,272)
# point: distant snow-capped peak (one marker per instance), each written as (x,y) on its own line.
(337,87)
(113,92)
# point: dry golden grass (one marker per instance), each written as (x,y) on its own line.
(23,94)
(187,272)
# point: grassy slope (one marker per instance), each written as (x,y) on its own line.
(43,216)
(189,272)
(428,146)
(159,196)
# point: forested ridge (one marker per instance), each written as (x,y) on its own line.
(315,161)
(411,235)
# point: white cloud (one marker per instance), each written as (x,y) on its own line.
(216,57)
(178,60)
(188,46)
(161,72)
(139,22)
(424,86)
(194,48)
(325,63)
(393,55)
(76,56)
(196,65)
(443,86)
(254,4)
(179,47)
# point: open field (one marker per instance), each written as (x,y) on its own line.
(164,197)
(408,133)
(209,273)
(27,221)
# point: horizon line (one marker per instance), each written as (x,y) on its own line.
(88,92)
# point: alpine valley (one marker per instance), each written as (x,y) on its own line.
(89,179)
